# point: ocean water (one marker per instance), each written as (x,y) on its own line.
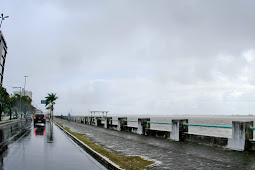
(209,120)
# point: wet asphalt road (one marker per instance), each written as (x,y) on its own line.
(41,147)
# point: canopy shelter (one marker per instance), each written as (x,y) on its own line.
(99,113)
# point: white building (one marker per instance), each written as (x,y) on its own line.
(26,93)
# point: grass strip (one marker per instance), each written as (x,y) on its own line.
(125,162)
(8,120)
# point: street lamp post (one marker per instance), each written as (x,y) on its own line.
(19,99)
(25,85)
(3,18)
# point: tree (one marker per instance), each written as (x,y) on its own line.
(15,104)
(50,102)
(16,110)
(27,105)
(4,100)
(9,104)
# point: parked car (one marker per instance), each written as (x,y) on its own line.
(39,118)
(28,117)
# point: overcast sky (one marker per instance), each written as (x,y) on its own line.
(134,56)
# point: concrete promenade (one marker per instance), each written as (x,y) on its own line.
(167,154)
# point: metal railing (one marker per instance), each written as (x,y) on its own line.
(164,123)
(114,119)
(130,120)
(252,128)
(202,125)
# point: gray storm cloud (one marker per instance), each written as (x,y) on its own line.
(144,57)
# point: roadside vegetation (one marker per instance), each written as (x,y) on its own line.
(125,162)
(7,121)
(50,102)
(11,104)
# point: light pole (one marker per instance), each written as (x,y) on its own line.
(19,99)
(3,18)
(25,85)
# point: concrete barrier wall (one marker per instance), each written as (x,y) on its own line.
(242,135)
(208,140)
(158,133)
(130,129)
(113,127)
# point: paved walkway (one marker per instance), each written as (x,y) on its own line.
(168,154)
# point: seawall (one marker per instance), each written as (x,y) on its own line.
(241,140)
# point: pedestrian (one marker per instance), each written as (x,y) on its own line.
(69,117)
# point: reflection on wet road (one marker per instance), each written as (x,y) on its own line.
(46,147)
(11,132)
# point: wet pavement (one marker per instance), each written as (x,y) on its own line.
(168,154)
(41,147)
(11,131)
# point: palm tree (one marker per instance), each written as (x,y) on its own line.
(50,101)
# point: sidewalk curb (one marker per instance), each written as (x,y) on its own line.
(100,158)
